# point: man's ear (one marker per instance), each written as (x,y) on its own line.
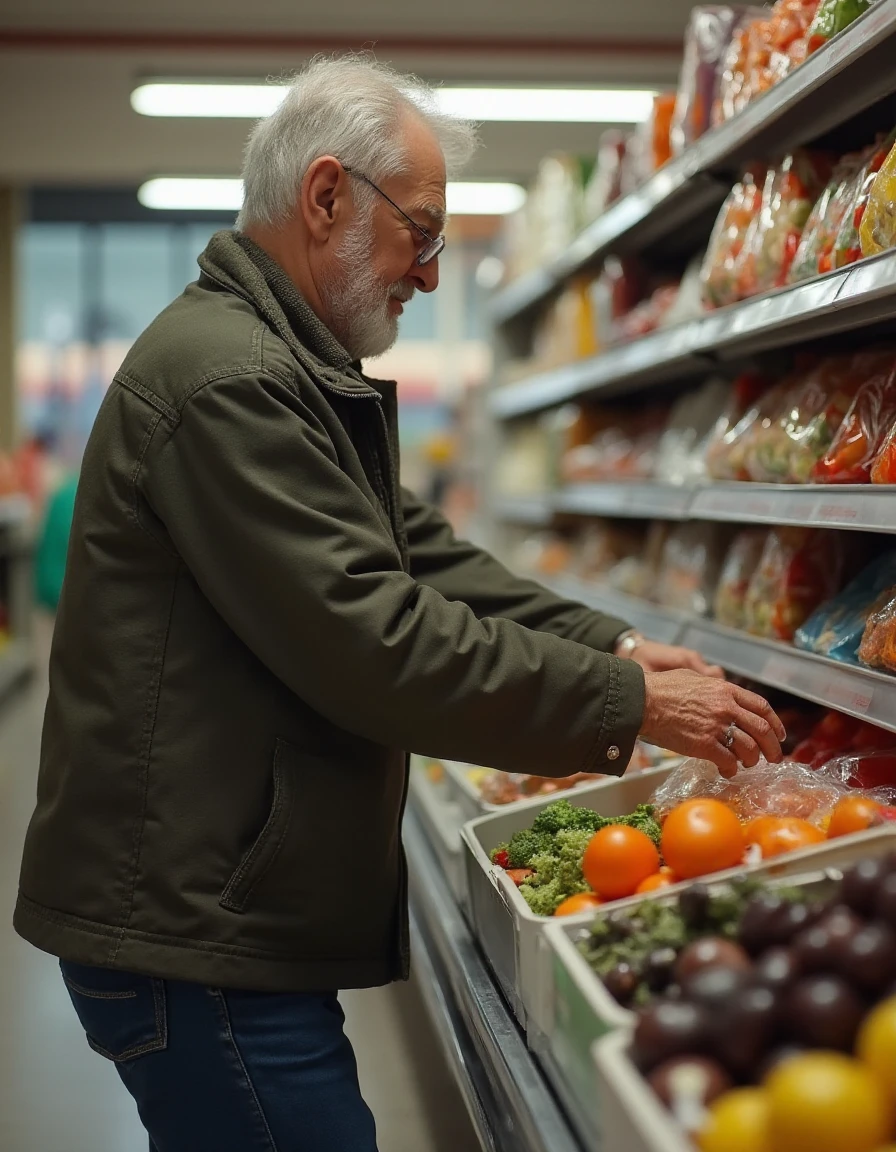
(325,194)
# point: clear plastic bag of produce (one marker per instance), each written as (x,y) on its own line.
(720,447)
(871,415)
(605,185)
(771,244)
(732,93)
(738,569)
(883,470)
(878,229)
(692,418)
(789,34)
(811,425)
(813,254)
(786,789)
(873,772)
(719,273)
(800,569)
(832,17)
(847,247)
(878,647)
(706,41)
(690,567)
(835,629)
(762,450)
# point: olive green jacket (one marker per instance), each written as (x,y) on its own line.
(257,622)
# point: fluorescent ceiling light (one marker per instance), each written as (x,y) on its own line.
(522,105)
(208,194)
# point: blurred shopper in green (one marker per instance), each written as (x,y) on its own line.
(52,546)
(258,622)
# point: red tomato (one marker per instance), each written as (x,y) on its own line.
(702,836)
(617,859)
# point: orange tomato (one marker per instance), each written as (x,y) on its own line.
(617,859)
(661,879)
(581,902)
(702,836)
(853,814)
(785,834)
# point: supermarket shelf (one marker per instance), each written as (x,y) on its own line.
(859,507)
(661,624)
(858,691)
(846,299)
(862,507)
(625,498)
(510,1104)
(532,510)
(845,77)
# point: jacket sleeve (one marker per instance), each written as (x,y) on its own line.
(461,571)
(297,560)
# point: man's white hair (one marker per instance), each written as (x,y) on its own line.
(350,107)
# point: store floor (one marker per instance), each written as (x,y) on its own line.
(58,1096)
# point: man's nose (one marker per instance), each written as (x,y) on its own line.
(425,277)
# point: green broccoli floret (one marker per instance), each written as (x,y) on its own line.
(562,814)
(526,844)
(543,899)
(570,847)
(644,820)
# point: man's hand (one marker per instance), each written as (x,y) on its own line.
(655,657)
(693,714)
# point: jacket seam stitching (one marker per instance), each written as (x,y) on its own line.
(148,735)
(147,394)
(135,496)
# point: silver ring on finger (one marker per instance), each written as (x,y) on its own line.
(728,741)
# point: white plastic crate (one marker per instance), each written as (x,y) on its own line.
(577,1010)
(442,819)
(505,926)
(632,1118)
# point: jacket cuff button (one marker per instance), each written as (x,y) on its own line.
(612,752)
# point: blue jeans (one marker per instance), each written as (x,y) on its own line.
(220,1070)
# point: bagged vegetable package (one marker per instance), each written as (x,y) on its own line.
(720,448)
(847,248)
(814,253)
(832,17)
(857,444)
(771,243)
(763,450)
(738,569)
(694,415)
(732,93)
(810,427)
(690,567)
(883,470)
(800,568)
(719,273)
(706,41)
(791,21)
(878,647)
(836,628)
(878,229)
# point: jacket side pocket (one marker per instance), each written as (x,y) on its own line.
(261,856)
(123,1014)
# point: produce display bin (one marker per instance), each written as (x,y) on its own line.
(442,819)
(507,930)
(577,1010)
(632,1118)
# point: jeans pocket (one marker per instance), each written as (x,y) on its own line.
(124,1015)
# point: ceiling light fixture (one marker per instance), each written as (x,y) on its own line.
(211,194)
(520,105)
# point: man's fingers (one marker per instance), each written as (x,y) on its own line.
(745,748)
(724,760)
(760,731)
(755,704)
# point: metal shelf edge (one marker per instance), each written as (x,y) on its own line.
(727,140)
(839,301)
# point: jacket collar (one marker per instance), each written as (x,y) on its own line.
(242,267)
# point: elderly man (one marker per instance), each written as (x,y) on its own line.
(257,622)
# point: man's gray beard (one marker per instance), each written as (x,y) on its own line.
(357,301)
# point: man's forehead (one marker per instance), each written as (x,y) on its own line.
(435,214)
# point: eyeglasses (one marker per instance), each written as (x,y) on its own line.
(434,245)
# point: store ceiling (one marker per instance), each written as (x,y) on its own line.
(67,68)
